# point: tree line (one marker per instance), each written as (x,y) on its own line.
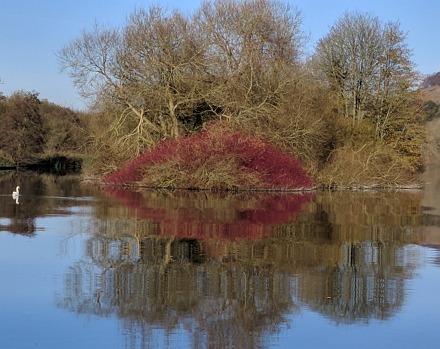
(165,75)
(34,130)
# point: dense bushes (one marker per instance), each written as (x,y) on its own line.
(34,130)
(432,110)
(214,159)
(360,159)
(22,126)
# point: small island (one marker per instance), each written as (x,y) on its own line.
(210,102)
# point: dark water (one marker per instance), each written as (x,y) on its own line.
(88,267)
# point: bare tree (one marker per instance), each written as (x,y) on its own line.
(162,65)
(149,70)
(368,65)
(91,60)
(254,48)
(164,74)
(393,94)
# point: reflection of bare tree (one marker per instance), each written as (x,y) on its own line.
(170,282)
(347,259)
(436,259)
(371,237)
(368,283)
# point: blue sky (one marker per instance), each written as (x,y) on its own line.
(32,31)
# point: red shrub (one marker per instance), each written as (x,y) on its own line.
(273,168)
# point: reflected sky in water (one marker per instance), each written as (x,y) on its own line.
(91,267)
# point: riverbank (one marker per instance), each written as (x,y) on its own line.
(53,164)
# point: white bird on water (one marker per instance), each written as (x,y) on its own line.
(16,193)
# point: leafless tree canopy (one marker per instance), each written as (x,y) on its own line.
(168,73)
(368,65)
(165,74)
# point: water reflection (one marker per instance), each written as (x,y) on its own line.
(201,215)
(40,195)
(201,260)
(230,270)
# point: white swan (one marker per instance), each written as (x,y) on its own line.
(16,193)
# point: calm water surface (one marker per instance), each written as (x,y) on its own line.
(89,267)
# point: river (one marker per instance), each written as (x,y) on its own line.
(84,266)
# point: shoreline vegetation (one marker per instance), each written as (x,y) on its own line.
(199,162)
(196,163)
(207,101)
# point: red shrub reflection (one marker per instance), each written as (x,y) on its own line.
(197,216)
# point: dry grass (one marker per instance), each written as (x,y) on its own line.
(430,94)
(367,165)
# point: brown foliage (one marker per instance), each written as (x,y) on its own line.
(35,129)
(22,136)
(65,130)
(370,164)
(163,70)
(360,159)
